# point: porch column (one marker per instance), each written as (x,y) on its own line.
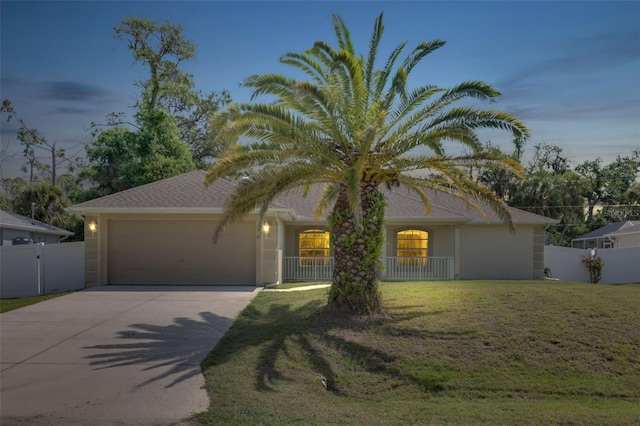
(456,253)
(94,265)
(382,273)
(267,256)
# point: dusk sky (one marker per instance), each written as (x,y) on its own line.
(569,70)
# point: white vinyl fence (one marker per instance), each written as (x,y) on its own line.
(621,265)
(33,269)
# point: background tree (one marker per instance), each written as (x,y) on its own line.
(172,131)
(32,141)
(502,182)
(49,202)
(11,187)
(609,185)
(550,188)
(110,158)
(161,47)
(353,128)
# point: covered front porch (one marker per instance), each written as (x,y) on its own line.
(294,251)
(296,268)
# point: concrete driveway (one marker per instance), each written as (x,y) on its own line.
(115,355)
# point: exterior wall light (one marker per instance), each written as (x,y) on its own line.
(266,228)
(93,228)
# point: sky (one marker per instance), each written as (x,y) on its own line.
(569,70)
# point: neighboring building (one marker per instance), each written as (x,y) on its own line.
(161,233)
(617,234)
(628,236)
(16,229)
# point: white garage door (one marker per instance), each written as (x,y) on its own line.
(180,252)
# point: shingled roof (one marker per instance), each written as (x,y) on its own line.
(9,220)
(188,193)
(609,229)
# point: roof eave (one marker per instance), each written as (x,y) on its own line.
(61,232)
(144,210)
(448,220)
(162,210)
(515,222)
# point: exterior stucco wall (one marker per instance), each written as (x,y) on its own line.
(629,240)
(38,237)
(9,234)
(493,252)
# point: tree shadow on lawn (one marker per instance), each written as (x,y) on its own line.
(176,349)
(316,331)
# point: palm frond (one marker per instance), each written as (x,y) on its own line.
(342,34)
(474,118)
(305,63)
(376,35)
(419,52)
(384,74)
(327,199)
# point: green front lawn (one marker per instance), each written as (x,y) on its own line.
(534,352)
(20,302)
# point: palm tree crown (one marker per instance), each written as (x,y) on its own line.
(352,123)
(353,126)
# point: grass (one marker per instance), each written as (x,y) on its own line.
(20,302)
(535,352)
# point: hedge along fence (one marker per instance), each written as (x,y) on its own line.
(34,269)
(621,265)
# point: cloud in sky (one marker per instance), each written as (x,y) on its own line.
(73,91)
(569,70)
(577,82)
(61,97)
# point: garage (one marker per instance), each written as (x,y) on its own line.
(173,252)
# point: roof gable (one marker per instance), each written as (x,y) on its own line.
(183,191)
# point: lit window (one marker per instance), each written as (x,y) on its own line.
(413,247)
(314,247)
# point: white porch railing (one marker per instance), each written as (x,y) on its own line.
(419,268)
(307,268)
(321,268)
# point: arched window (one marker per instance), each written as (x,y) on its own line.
(412,247)
(313,247)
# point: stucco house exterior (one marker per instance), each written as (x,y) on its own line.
(161,233)
(15,228)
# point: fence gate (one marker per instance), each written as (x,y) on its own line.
(33,269)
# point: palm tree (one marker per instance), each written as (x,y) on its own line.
(48,201)
(353,128)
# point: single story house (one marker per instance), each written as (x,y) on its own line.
(161,233)
(617,234)
(17,229)
(628,236)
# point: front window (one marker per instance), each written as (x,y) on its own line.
(314,247)
(412,247)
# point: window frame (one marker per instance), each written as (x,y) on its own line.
(406,255)
(318,252)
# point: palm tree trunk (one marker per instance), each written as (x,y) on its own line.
(357,249)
